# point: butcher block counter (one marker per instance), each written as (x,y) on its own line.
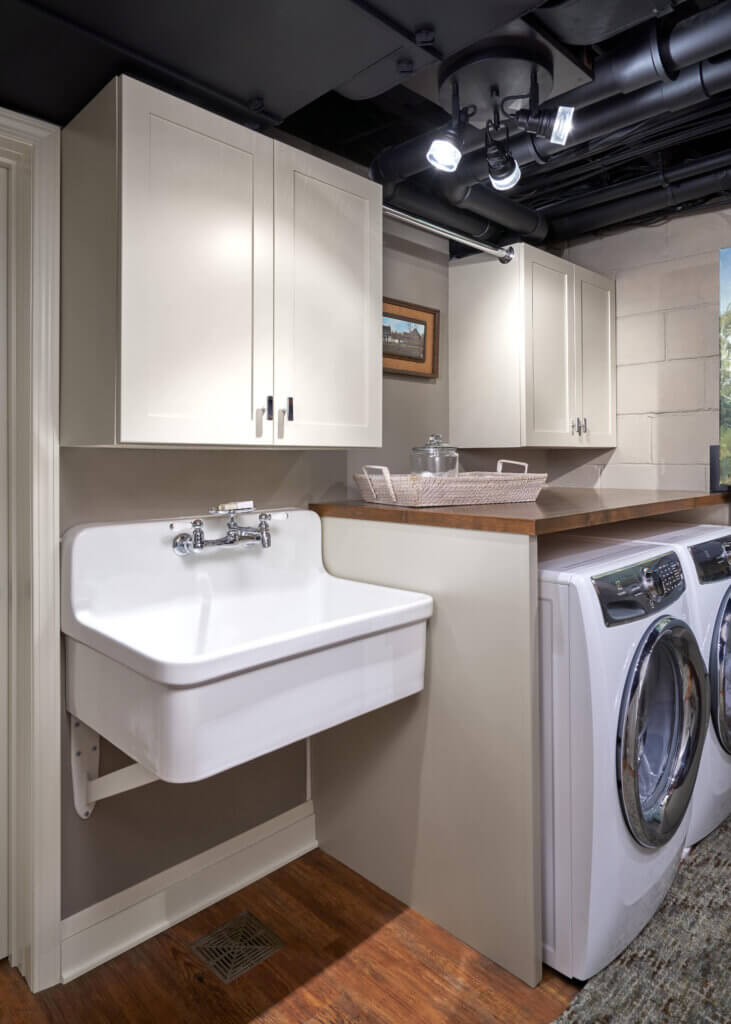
(437,798)
(557,509)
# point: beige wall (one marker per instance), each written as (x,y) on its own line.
(667,349)
(414,270)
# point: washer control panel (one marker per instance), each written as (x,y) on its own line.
(635,591)
(713,559)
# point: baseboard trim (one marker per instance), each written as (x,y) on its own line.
(108,928)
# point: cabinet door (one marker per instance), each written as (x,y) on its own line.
(550,365)
(327,304)
(196,275)
(596,356)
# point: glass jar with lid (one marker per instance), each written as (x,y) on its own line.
(435,458)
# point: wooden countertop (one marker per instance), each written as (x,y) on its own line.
(557,509)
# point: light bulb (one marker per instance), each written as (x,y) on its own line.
(562,125)
(444,153)
(506,178)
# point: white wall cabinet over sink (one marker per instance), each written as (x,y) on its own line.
(218,287)
(532,353)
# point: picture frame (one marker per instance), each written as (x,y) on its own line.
(410,340)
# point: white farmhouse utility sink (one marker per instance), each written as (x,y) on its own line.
(193,665)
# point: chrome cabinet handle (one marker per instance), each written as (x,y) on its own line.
(586,429)
(578,426)
(286,415)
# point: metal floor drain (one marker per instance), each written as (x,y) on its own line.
(237,946)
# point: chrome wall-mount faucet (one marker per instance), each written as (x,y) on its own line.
(196,541)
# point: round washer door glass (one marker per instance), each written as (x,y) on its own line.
(720,673)
(662,726)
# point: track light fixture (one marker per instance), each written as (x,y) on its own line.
(504,171)
(550,124)
(503,168)
(445,151)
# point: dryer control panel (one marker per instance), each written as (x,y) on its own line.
(635,591)
(713,559)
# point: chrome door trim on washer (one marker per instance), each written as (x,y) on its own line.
(669,645)
(719,666)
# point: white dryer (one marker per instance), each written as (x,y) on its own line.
(705,554)
(624,710)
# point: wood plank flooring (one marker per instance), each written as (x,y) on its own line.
(352,955)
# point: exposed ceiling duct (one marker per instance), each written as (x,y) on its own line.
(647,83)
(691,86)
(656,53)
(624,76)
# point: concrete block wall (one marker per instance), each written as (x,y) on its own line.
(667,350)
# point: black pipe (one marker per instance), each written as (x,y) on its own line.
(692,85)
(396,163)
(658,179)
(498,209)
(586,221)
(655,58)
(430,207)
(655,53)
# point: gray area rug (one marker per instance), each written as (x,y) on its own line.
(678,970)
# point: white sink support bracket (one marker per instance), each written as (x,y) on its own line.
(87,786)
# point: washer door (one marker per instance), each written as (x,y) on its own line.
(720,673)
(662,726)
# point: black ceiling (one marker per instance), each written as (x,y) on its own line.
(352,76)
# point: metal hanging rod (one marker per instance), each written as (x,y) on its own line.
(505,255)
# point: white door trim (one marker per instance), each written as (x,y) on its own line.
(30,150)
(4,577)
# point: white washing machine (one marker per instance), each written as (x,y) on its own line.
(705,554)
(624,710)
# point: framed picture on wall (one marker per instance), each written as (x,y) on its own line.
(410,339)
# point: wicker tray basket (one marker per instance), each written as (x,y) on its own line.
(377,484)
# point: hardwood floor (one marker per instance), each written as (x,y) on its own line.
(352,955)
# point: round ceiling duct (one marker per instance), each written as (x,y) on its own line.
(489,74)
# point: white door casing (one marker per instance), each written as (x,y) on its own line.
(4,580)
(30,155)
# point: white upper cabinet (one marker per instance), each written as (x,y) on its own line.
(532,353)
(179,325)
(327,268)
(196,274)
(550,366)
(596,357)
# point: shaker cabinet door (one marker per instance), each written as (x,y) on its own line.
(327,304)
(196,275)
(550,364)
(596,355)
